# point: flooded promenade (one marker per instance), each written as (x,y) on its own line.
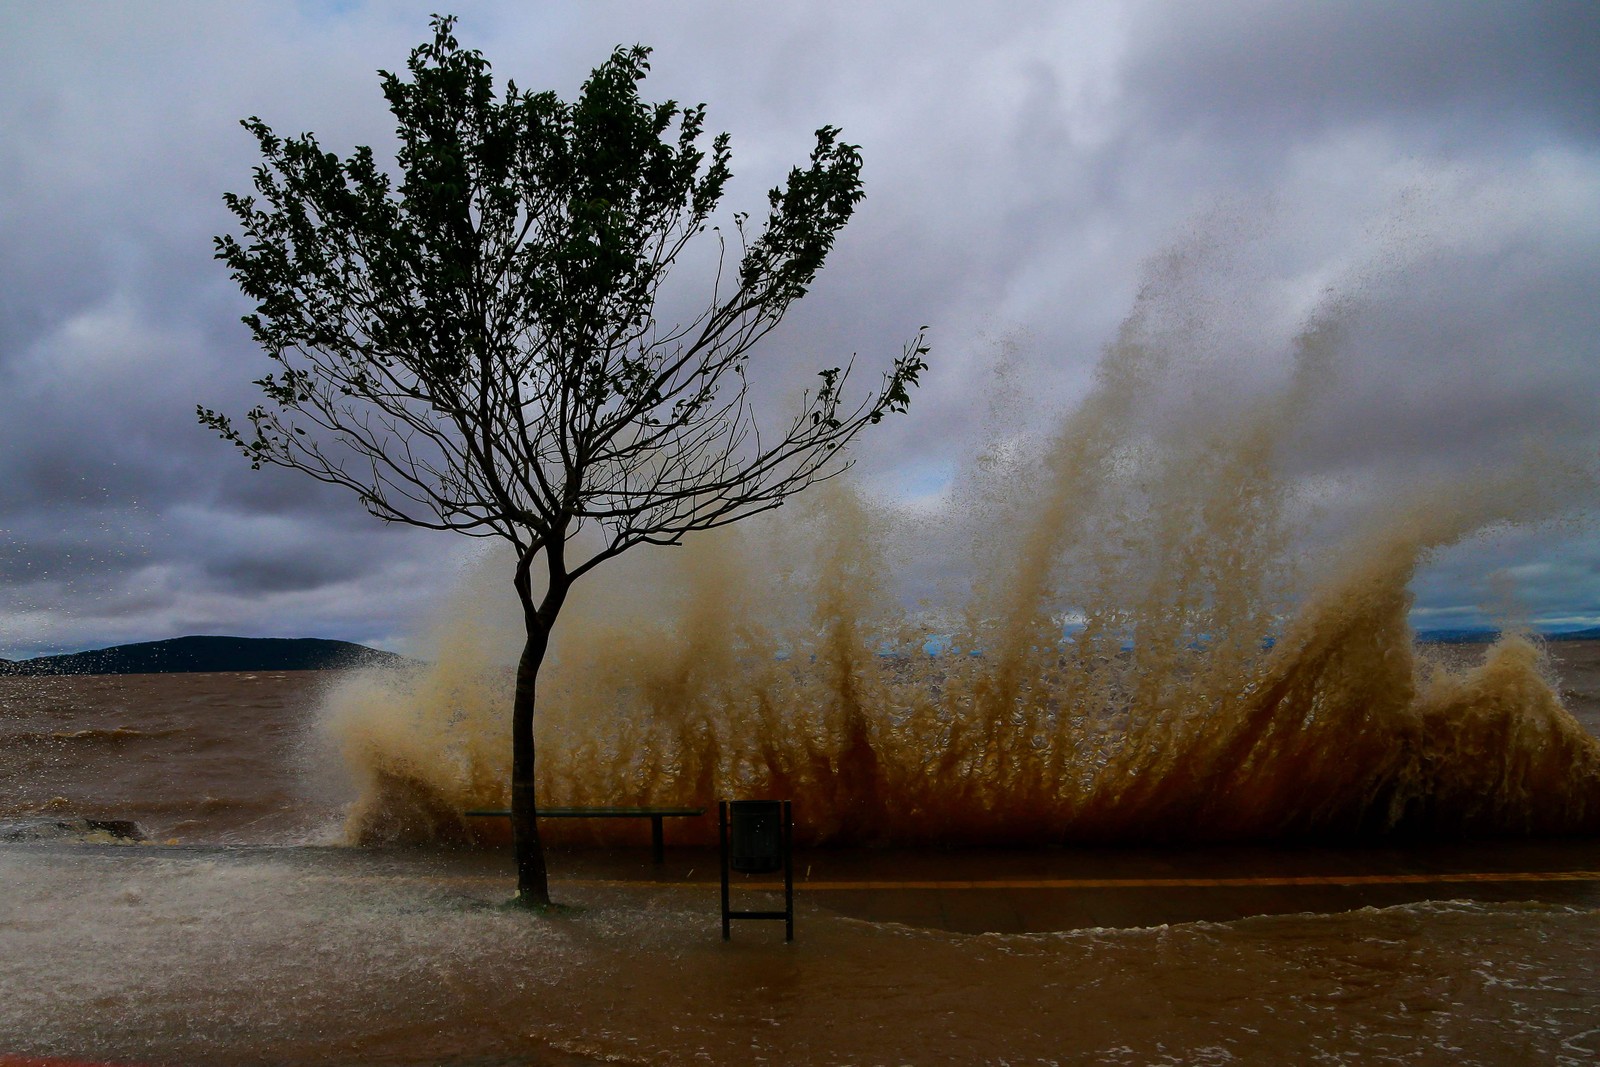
(165,955)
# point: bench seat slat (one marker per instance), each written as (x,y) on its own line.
(655,815)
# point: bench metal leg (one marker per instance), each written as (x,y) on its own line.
(658,848)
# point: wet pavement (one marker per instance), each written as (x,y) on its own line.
(994,891)
(1001,891)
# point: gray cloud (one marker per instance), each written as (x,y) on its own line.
(1453,73)
(1435,163)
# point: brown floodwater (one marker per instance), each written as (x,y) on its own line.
(309,957)
(260,939)
(203,758)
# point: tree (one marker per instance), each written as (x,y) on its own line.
(475,348)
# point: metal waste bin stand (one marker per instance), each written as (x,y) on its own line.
(762,841)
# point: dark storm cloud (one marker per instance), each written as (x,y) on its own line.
(1292,70)
(1024,163)
(1466,357)
(124,517)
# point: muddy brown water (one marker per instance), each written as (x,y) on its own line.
(259,938)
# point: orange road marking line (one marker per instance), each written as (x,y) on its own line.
(1134,883)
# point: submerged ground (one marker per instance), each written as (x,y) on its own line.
(313,956)
(249,937)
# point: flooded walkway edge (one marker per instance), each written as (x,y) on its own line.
(977,890)
(161,955)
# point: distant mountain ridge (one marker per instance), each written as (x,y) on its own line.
(204,654)
(1477,636)
(194,655)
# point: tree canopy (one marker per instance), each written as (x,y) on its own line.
(475,347)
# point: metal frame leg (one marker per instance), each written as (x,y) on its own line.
(788,870)
(722,834)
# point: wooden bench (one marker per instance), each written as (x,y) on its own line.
(655,815)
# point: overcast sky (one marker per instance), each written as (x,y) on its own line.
(1434,164)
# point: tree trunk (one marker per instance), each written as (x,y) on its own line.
(533,888)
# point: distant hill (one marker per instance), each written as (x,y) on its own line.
(1457,637)
(189,655)
(1484,637)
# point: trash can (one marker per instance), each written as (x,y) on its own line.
(756,833)
(757,837)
